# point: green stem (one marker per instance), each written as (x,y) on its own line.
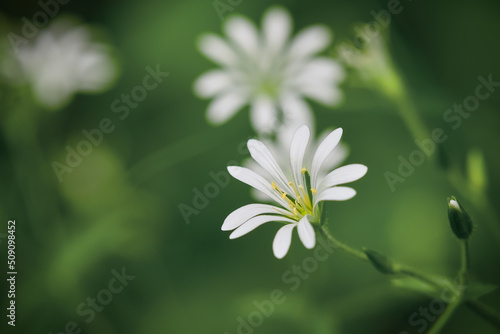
(359,254)
(419,131)
(481,309)
(446,315)
(405,270)
(485,311)
(410,115)
(465,259)
(462,276)
(420,276)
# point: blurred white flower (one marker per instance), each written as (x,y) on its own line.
(63,60)
(373,62)
(268,70)
(300,198)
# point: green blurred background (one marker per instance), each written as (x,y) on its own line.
(120,207)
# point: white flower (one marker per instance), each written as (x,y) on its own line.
(268,71)
(298,195)
(279,149)
(63,60)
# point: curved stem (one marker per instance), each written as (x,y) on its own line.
(443,319)
(420,131)
(420,276)
(405,270)
(359,254)
(485,311)
(410,115)
(465,259)
(481,309)
(462,277)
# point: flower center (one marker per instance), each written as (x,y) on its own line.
(269,88)
(301,205)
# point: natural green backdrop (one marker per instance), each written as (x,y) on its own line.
(120,207)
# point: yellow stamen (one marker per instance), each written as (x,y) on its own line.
(294,189)
(307,200)
(303,170)
(314,191)
(300,206)
(304,193)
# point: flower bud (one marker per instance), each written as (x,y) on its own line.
(381,262)
(460,221)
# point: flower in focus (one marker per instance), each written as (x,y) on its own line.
(298,195)
(63,60)
(279,149)
(268,71)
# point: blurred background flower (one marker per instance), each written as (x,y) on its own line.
(63,59)
(270,71)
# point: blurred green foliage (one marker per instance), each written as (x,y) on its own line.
(119,207)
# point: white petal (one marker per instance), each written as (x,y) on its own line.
(217,50)
(243,33)
(276,26)
(282,241)
(320,69)
(241,215)
(225,106)
(309,41)
(261,154)
(93,69)
(212,83)
(306,233)
(335,194)
(296,113)
(253,179)
(263,115)
(255,222)
(338,155)
(259,195)
(344,174)
(322,92)
(298,148)
(324,149)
